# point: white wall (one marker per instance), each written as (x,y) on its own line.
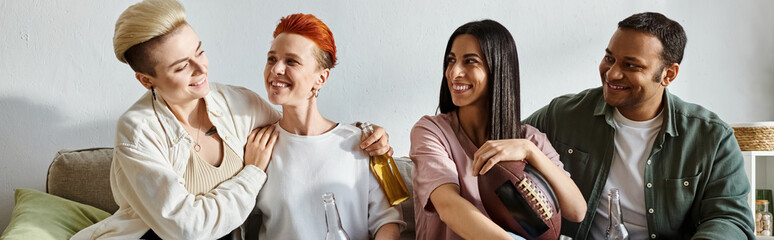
(62,87)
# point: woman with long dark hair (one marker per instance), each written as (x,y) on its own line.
(479,125)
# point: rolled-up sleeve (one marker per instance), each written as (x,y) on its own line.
(725,213)
(433,164)
(380,212)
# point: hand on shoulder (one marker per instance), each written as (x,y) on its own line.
(260,145)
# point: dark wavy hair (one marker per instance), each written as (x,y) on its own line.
(669,33)
(499,50)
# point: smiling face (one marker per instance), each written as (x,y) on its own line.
(292,70)
(181,67)
(466,72)
(632,72)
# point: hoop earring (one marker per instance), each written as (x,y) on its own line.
(153,92)
(315,92)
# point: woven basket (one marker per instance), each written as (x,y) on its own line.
(755,136)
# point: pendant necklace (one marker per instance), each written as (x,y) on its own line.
(198,147)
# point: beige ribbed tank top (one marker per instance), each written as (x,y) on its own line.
(201,177)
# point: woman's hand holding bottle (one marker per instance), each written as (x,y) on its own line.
(377,143)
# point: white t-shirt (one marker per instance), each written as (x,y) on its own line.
(303,168)
(633,144)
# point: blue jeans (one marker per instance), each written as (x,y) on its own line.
(516,237)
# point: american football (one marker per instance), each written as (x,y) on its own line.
(519,199)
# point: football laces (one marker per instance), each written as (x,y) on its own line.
(541,201)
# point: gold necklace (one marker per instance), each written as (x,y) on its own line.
(198,147)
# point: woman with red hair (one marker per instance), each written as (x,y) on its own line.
(314,155)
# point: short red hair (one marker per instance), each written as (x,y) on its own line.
(311,27)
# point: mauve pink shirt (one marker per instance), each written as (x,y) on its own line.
(442,154)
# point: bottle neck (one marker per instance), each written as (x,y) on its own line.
(616,216)
(368,130)
(332,219)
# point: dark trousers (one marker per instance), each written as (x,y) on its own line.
(151,235)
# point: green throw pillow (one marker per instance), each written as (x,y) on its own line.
(39,215)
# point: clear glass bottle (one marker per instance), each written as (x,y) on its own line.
(386,172)
(763,218)
(332,220)
(616,230)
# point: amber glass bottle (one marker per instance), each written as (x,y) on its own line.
(386,172)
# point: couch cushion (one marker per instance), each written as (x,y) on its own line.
(405,166)
(83,176)
(37,215)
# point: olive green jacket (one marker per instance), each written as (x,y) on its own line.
(696,186)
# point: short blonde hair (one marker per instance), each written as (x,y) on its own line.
(144,21)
